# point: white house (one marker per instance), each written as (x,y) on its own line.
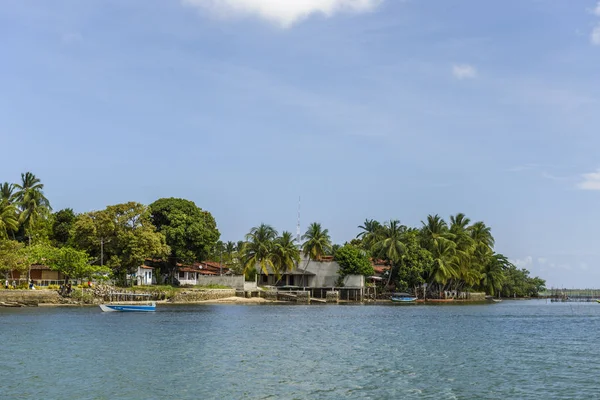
(144,275)
(187,276)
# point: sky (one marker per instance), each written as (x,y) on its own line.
(382,109)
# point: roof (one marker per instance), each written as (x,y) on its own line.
(296,272)
(146,267)
(39,267)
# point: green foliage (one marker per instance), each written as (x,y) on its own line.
(317,242)
(353,261)
(62,224)
(190,232)
(259,249)
(13,256)
(34,206)
(415,262)
(127,234)
(74,264)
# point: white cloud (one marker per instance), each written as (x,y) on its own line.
(282,12)
(464,71)
(595,36)
(523,262)
(591,181)
(596,10)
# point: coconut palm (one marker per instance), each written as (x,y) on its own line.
(370,229)
(389,244)
(7,192)
(481,233)
(316,244)
(444,261)
(285,253)
(8,219)
(493,273)
(432,230)
(259,248)
(32,202)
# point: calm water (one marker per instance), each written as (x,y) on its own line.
(511,350)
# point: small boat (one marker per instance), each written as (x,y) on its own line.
(598,300)
(403,298)
(129,307)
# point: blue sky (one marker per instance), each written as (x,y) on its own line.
(378,109)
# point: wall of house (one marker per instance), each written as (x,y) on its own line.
(354,281)
(233,281)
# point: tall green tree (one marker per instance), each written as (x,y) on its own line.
(414,263)
(190,232)
(121,237)
(353,261)
(317,243)
(33,204)
(389,245)
(258,250)
(8,219)
(13,257)
(62,224)
(286,254)
(369,231)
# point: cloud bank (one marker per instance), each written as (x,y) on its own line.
(591,181)
(284,13)
(464,71)
(595,36)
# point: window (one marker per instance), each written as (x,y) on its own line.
(181,274)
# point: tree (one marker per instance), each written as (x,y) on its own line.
(190,232)
(259,249)
(370,229)
(353,261)
(285,253)
(493,274)
(414,263)
(121,236)
(389,245)
(444,257)
(62,224)
(316,244)
(13,257)
(32,202)
(73,263)
(8,219)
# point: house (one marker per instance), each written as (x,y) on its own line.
(42,275)
(145,275)
(311,274)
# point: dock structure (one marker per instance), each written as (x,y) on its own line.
(574,295)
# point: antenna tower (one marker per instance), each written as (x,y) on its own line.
(298,225)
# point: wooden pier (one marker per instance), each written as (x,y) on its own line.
(574,295)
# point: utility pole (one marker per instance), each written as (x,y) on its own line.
(101,252)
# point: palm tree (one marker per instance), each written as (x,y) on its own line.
(444,262)
(259,248)
(317,244)
(7,192)
(481,233)
(390,245)
(8,219)
(493,274)
(285,253)
(432,230)
(370,229)
(8,212)
(32,202)
(229,250)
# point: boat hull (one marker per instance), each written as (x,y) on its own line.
(404,299)
(128,307)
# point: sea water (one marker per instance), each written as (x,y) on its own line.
(508,350)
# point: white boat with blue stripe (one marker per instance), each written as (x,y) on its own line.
(129,307)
